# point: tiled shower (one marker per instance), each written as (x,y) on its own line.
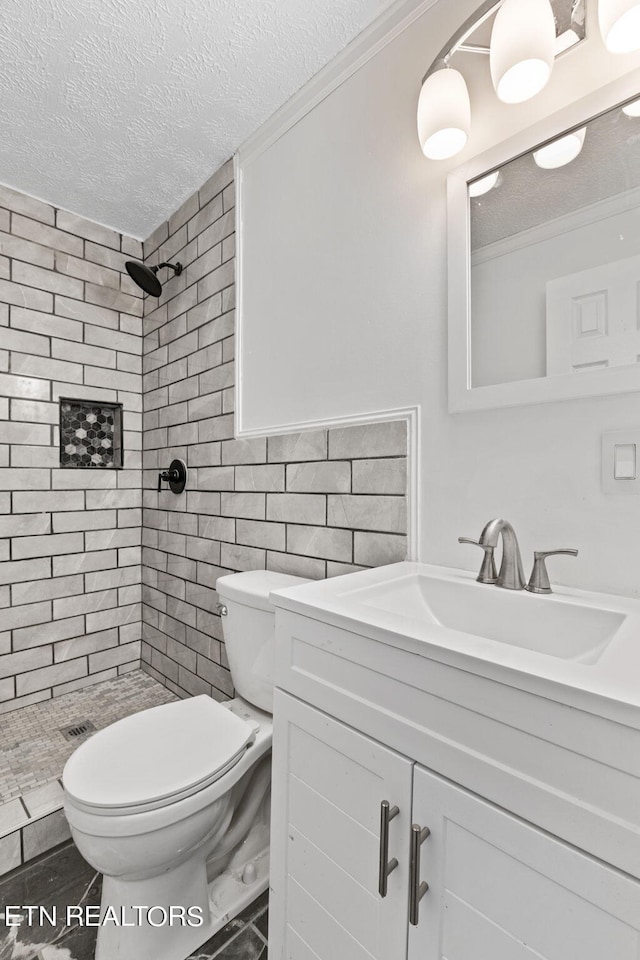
(107,587)
(69,538)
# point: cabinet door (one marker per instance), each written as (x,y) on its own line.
(328,784)
(502,889)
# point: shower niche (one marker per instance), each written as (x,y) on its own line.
(90,434)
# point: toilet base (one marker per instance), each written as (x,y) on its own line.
(229,894)
(138,935)
(219,901)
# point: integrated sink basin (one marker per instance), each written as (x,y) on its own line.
(584,641)
(521,619)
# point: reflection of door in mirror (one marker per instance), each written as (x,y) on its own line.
(593,318)
(555,256)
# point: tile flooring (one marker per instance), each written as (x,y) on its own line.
(32,748)
(33,753)
(63,878)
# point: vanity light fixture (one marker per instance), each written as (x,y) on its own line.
(444,113)
(522,49)
(478,188)
(521,54)
(620,25)
(561,151)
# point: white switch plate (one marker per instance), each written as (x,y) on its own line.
(625,461)
(621,439)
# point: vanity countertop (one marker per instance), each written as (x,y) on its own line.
(595,667)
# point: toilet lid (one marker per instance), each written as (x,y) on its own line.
(157,754)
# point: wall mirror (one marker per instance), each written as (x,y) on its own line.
(544,260)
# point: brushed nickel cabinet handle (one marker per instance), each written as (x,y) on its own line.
(387,866)
(417,889)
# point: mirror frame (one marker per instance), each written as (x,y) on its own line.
(463,397)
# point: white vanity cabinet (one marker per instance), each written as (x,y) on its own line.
(325,837)
(500,889)
(530,853)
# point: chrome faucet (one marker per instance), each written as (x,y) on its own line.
(511,575)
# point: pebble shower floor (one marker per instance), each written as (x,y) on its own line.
(33,752)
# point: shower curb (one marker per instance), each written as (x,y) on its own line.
(32,834)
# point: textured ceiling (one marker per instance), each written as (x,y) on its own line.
(119,109)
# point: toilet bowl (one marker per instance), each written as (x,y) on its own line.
(171,804)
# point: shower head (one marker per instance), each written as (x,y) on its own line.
(145,277)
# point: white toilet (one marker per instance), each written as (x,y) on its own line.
(171,804)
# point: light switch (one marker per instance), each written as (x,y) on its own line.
(624,461)
(620,467)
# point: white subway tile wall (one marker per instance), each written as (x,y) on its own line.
(75,544)
(70,326)
(316,504)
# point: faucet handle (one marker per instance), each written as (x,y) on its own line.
(539,579)
(488,573)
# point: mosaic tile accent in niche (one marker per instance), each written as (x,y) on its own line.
(90,434)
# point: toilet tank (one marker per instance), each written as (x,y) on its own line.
(249,630)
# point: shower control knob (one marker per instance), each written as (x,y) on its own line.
(175,476)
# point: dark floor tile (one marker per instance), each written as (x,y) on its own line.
(77,943)
(248,945)
(219,939)
(262,923)
(256,908)
(80,942)
(33,883)
(54,882)
(62,878)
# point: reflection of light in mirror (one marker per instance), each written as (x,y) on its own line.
(444,114)
(548,247)
(632,109)
(484,184)
(620,25)
(560,152)
(522,49)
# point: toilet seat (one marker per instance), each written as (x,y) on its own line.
(157,757)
